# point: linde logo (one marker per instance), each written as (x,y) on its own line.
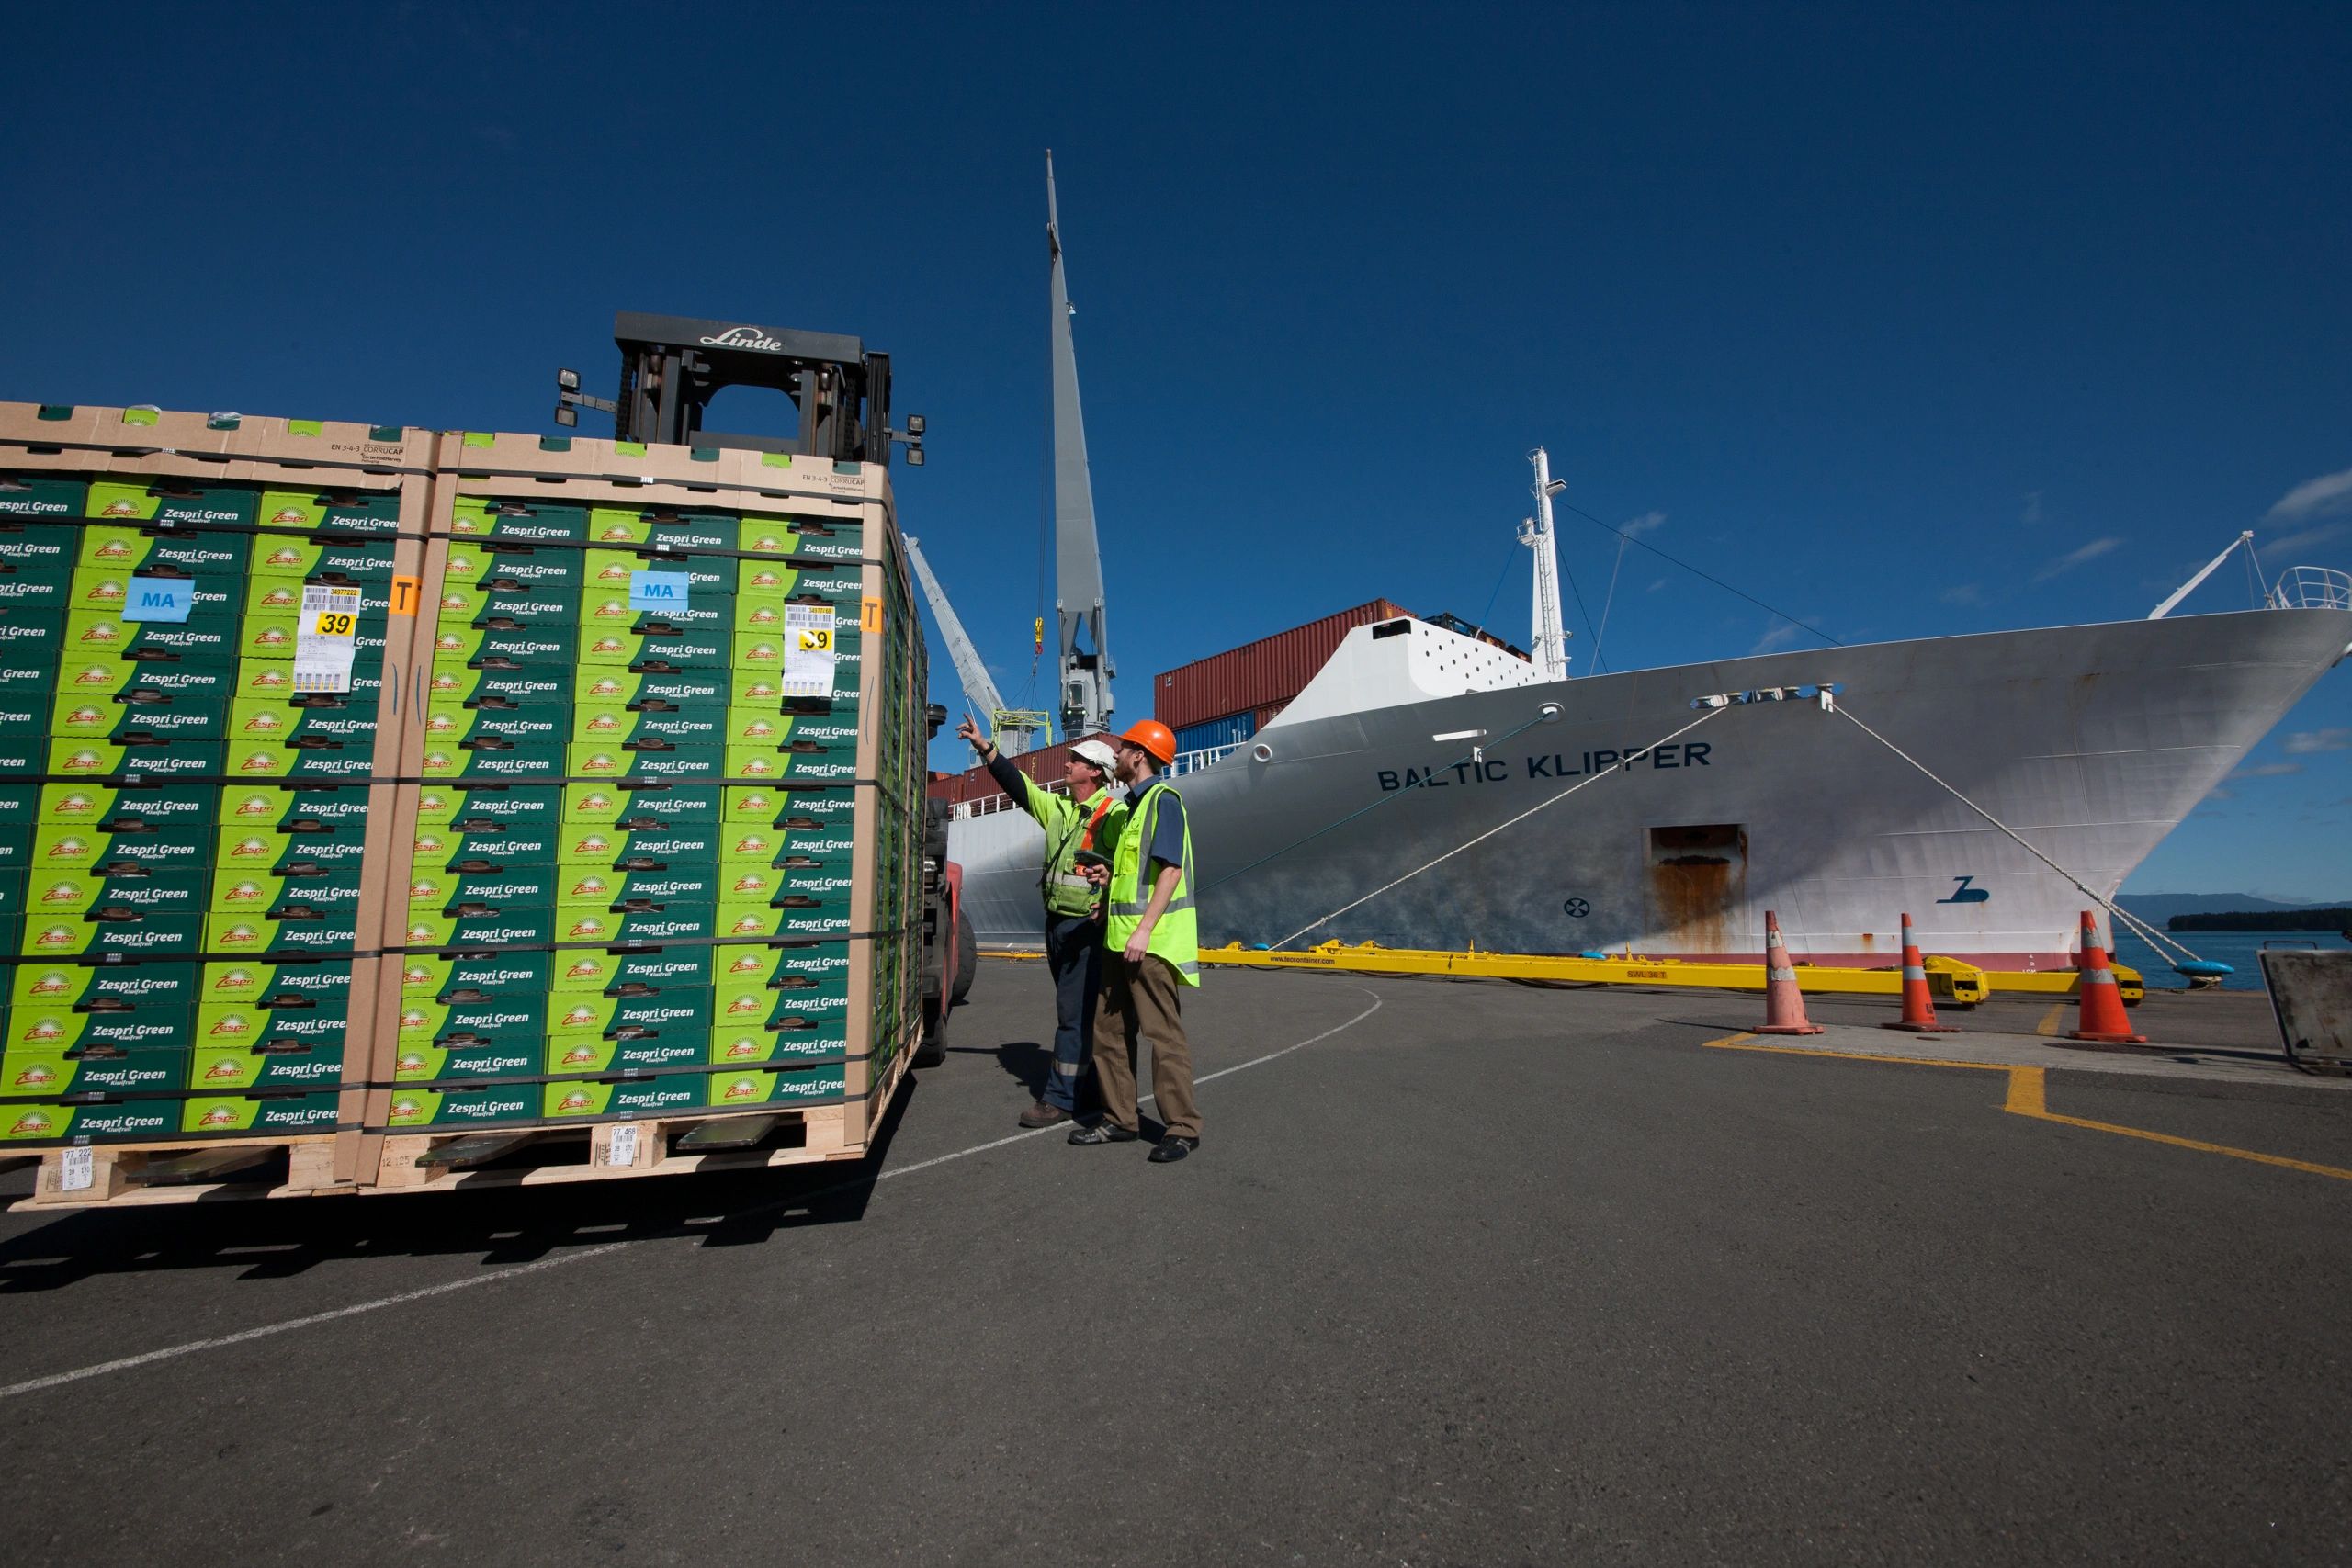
(745,337)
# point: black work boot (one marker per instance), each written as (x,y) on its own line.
(1103,1132)
(1172,1148)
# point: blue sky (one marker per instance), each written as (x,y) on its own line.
(1911,325)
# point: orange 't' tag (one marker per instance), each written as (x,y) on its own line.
(869,617)
(405,594)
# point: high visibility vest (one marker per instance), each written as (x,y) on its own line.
(1070,826)
(1176,935)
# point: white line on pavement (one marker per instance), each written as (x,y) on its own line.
(33,1385)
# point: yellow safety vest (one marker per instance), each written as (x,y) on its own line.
(1176,935)
(1070,826)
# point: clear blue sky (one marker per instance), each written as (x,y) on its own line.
(1911,325)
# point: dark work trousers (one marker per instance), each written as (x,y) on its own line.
(1074,954)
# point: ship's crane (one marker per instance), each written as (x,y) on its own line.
(1016,729)
(1085,656)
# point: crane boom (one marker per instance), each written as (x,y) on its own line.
(1085,656)
(1015,730)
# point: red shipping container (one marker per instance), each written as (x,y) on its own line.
(1260,676)
(1045,765)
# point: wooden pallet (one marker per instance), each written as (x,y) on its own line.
(136,1174)
(652,1145)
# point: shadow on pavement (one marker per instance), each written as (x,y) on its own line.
(280,1239)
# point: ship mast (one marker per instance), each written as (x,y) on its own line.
(1551,638)
(1086,671)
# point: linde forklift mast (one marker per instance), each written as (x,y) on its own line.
(672,367)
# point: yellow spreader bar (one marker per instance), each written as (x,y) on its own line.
(1950,980)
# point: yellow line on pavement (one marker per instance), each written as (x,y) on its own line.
(2051,1021)
(2028,1097)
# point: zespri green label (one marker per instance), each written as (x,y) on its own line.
(351,512)
(811,1086)
(261,1114)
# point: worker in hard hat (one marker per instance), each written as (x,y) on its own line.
(1152,953)
(1084,822)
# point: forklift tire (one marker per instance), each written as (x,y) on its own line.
(968,957)
(932,1051)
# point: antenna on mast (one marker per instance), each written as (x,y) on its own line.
(1551,637)
(1085,672)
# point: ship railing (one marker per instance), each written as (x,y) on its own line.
(2314,588)
(1206,756)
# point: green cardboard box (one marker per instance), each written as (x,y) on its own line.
(809,538)
(739,1089)
(511,1017)
(176,702)
(659,525)
(114,807)
(317,1112)
(493,603)
(624,1096)
(170,988)
(481,927)
(587,845)
(274,677)
(73,758)
(273,827)
(277,635)
(193,553)
(186,848)
(676,1010)
(685,690)
(649,642)
(617,724)
(277,1061)
(283,894)
(777,652)
(504,888)
(534,726)
(605,887)
(174,500)
(107,591)
(36,494)
(347,718)
(148,1027)
(504,647)
(48,934)
(644,760)
(480,976)
(813,756)
(476,1105)
(525,522)
(31,585)
(193,641)
(441,849)
(33,639)
(264,597)
(491,758)
(32,1074)
(607,608)
(345,511)
(311,756)
(647,803)
(480,807)
(465,1059)
(609,571)
(55,892)
(596,970)
(526,685)
(324,983)
(794,966)
(653,1049)
(665,923)
(102,1122)
(479,562)
(279,559)
(328,931)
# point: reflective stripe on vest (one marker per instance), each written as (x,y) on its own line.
(1175,936)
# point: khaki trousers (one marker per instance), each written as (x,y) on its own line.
(1139,1003)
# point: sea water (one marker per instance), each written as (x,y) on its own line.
(2236,949)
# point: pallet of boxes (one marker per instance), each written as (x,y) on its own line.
(385,810)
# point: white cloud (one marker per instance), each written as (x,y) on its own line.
(2218,793)
(2269,771)
(1648,523)
(1659,584)
(2303,742)
(2321,496)
(2076,557)
(1777,637)
(2030,513)
(1967,594)
(2302,539)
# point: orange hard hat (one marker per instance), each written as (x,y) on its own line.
(1153,736)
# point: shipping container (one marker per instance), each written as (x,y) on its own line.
(1258,675)
(1217,732)
(975,784)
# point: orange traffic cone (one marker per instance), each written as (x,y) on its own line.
(1918,1007)
(1783,1003)
(2102,1020)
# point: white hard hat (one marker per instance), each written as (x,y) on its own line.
(1096,752)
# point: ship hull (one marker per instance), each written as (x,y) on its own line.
(2090,742)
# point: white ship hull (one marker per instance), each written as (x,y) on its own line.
(2091,742)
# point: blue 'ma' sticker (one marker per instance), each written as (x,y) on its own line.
(656,590)
(159,599)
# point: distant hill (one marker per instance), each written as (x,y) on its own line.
(2158,908)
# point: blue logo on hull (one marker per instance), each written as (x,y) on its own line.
(1964,894)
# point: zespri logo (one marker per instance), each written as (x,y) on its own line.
(225,1070)
(756,730)
(448,642)
(769,542)
(290,514)
(268,679)
(754,800)
(122,506)
(588,928)
(742,1088)
(595,800)
(69,847)
(258,762)
(93,675)
(750,882)
(37,1075)
(106,591)
(762,653)
(414,1019)
(242,893)
(590,887)
(743,924)
(33,1125)
(278,598)
(767,577)
(242,934)
(42,1031)
(616,570)
(420,890)
(253,805)
(285,555)
(606,645)
(594,845)
(746,1003)
(579,1056)
(744,1048)
(62,893)
(102,632)
(428,844)
(432,800)
(420,931)
(84,761)
(603,724)
(246,848)
(755,768)
(765,615)
(416,974)
(219,1115)
(232,1026)
(455,600)
(271,636)
(407,1108)
(264,723)
(444,681)
(51,984)
(410,1064)
(605,686)
(54,936)
(750,844)
(578,1100)
(749,964)
(440,723)
(235,980)
(438,760)
(600,762)
(581,968)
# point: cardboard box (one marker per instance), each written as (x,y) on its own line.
(490,758)
(285,557)
(324,983)
(173,501)
(277,635)
(504,888)
(525,522)
(113,808)
(340,510)
(587,845)
(678,528)
(274,677)
(277,828)
(608,725)
(615,572)
(237,1047)
(170,988)
(652,1050)
(816,755)
(323,931)
(480,976)
(665,923)
(808,537)
(61,1029)
(511,1017)
(605,608)
(493,602)
(117,701)
(607,887)
(527,686)
(474,1105)
(188,848)
(24,495)
(107,591)
(651,803)
(110,1120)
(524,565)
(624,1096)
(740,1090)
(686,690)
(319,1111)
(483,646)
(465,1059)
(481,806)
(194,641)
(148,759)
(648,641)
(824,964)
(142,935)
(525,727)
(281,894)
(27,1074)
(56,893)
(481,926)
(36,586)
(305,757)
(644,760)
(439,851)
(596,970)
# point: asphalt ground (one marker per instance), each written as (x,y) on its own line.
(1483,1274)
